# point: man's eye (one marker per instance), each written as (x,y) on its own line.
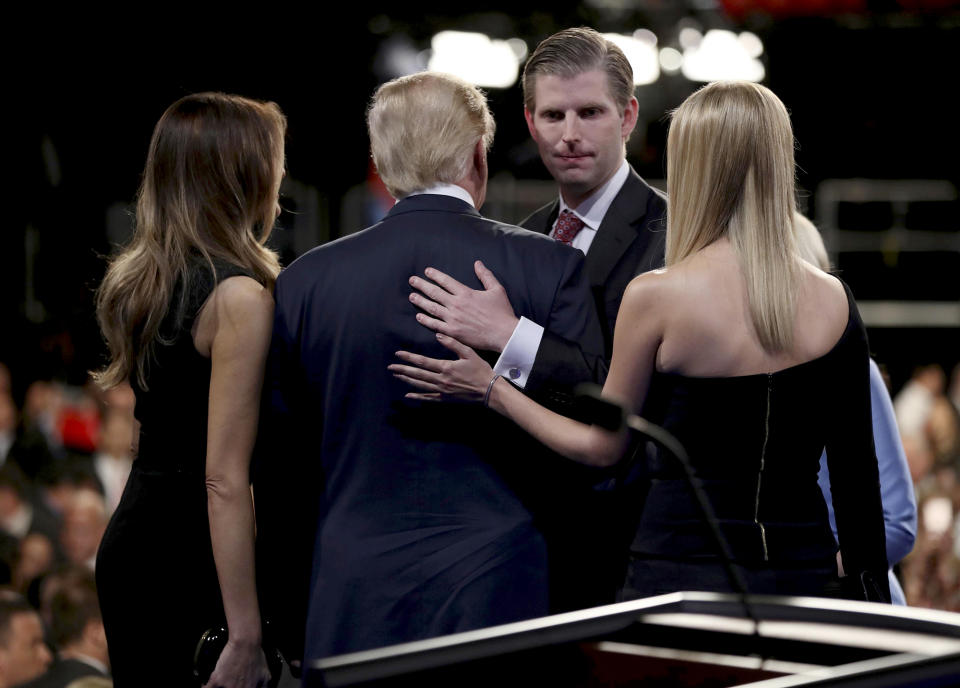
(591,112)
(554,116)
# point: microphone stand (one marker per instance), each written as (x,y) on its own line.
(609,415)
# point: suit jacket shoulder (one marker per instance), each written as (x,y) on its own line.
(62,672)
(541,220)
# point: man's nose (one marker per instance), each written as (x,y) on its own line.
(571,129)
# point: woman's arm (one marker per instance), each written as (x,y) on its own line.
(239,315)
(636,339)
(852,461)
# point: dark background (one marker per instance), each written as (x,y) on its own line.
(871,87)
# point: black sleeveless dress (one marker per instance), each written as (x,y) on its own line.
(755,441)
(155,571)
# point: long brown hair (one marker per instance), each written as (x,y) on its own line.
(210,189)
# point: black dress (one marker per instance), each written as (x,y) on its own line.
(156,576)
(755,441)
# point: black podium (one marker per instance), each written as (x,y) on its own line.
(681,639)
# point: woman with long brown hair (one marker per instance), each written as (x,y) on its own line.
(186,310)
(753,358)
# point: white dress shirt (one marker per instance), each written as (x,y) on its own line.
(516,360)
(445,190)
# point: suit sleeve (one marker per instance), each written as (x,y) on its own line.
(852,462)
(284,492)
(571,350)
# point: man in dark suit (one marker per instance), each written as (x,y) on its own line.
(580,110)
(76,629)
(424,510)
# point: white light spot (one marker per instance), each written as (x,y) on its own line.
(670,60)
(751,44)
(937,515)
(519,47)
(689,38)
(642,57)
(645,36)
(721,56)
(475,58)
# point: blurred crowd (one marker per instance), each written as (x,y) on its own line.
(65,453)
(928,416)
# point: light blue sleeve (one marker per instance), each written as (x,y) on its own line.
(896,487)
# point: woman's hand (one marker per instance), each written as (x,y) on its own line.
(240,666)
(466,378)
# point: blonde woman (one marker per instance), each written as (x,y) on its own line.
(186,310)
(754,359)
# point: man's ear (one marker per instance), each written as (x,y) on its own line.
(629,117)
(480,159)
(480,169)
(527,115)
(94,634)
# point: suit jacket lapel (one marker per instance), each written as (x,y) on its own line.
(543,219)
(618,229)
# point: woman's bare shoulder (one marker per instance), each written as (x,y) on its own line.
(823,311)
(826,290)
(238,306)
(649,289)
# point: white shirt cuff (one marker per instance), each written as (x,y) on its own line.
(516,361)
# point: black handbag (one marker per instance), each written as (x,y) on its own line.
(210,646)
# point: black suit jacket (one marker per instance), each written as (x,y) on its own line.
(589,539)
(630,240)
(425,510)
(63,672)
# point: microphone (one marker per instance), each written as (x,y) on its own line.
(592,408)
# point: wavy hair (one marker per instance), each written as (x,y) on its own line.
(209,190)
(572,52)
(730,172)
(423,128)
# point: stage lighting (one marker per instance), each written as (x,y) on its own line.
(641,51)
(477,58)
(722,55)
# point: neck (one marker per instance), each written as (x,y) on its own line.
(472,188)
(573,198)
(83,653)
(574,195)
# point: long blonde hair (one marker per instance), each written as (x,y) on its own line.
(210,190)
(730,172)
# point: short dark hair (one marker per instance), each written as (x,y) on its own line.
(571,52)
(13,478)
(73,605)
(11,604)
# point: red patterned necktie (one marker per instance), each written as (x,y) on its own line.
(568,226)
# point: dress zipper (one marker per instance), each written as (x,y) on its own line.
(763,456)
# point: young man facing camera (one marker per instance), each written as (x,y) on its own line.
(580,109)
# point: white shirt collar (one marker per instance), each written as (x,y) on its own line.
(88,660)
(594,207)
(446,190)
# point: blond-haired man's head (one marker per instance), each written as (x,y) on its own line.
(427,129)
